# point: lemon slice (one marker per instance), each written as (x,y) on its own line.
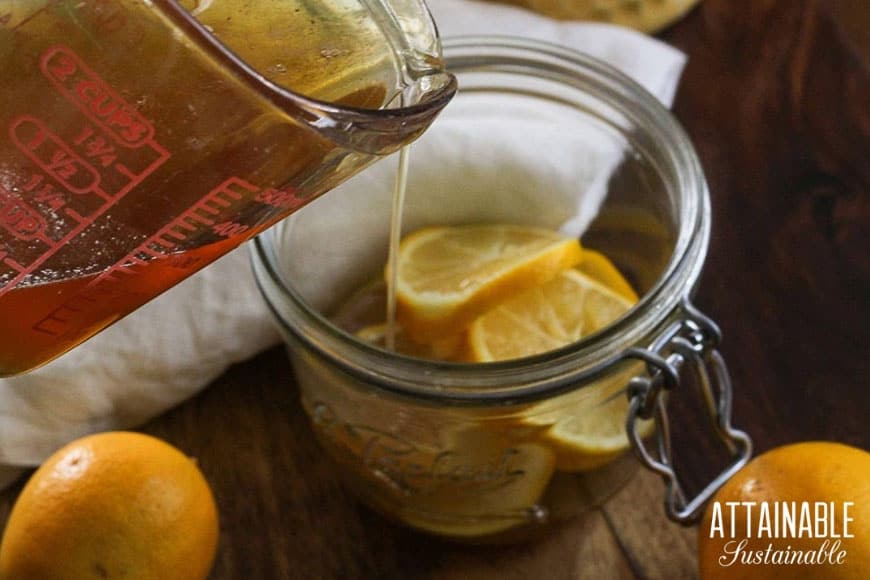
(562,311)
(482,486)
(586,428)
(447,276)
(599,267)
(474,481)
(592,437)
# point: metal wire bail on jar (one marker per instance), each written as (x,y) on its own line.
(688,344)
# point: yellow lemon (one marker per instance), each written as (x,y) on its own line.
(112,505)
(486,484)
(567,308)
(587,429)
(448,276)
(815,473)
(599,267)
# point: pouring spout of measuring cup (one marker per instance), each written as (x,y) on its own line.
(404,76)
(142,141)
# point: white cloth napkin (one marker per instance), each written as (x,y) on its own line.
(170,349)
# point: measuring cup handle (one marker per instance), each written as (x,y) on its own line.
(687,345)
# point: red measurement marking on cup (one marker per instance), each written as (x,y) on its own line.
(96,99)
(72,174)
(23,223)
(53,156)
(211,215)
(286,199)
(19,219)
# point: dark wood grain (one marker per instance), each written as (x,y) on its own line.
(775,97)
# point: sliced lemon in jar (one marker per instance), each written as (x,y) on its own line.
(586,435)
(587,428)
(599,267)
(569,307)
(448,276)
(482,486)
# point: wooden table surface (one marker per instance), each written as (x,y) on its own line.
(775,97)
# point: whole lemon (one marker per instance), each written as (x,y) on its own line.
(801,511)
(112,505)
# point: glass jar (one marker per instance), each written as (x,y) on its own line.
(493,451)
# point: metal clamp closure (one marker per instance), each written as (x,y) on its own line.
(688,344)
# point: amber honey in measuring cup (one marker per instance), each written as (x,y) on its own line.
(142,140)
(497,451)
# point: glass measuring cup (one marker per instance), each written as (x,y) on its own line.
(142,140)
(474,451)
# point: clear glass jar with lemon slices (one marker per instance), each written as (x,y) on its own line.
(526,363)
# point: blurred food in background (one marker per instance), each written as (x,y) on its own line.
(643,15)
